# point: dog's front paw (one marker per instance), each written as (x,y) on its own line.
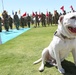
(41,68)
(61,70)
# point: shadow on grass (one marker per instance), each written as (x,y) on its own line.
(68,66)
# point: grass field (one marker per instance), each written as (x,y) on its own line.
(17,55)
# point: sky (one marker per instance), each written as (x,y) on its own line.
(30,6)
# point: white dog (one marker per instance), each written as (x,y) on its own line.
(64,42)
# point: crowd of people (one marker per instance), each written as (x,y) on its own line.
(37,19)
(7,21)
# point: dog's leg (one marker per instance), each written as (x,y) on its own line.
(44,58)
(58,61)
(74,56)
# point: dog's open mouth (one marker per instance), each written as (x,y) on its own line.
(72,29)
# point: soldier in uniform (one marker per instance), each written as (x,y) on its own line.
(43,17)
(36,19)
(10,21)
(0,24)
(56,17)
(5,20)
(50,19)
(22,22)
(28,20)
(16,21)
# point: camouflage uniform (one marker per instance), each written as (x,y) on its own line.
(28,20)
(50,19)
(36,20)
(10,21)
(16,21)
(22,22)
(5,20)
(56,17)
(43,17)
(0,25)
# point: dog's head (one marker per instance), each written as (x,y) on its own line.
(67,24)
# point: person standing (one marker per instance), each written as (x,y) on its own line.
(0,29)
(0,24)
(28,20)
(36,19)
(16,21)
(10,21)
(5,20)
(22,22)
(43,17)
(50,19)
(56,17)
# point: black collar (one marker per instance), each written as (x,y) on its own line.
(63,36)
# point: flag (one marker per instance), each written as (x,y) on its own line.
(24,14)
(47,14)
(12,12)
(33,14)
(72,8)
(19,12)
(62,8)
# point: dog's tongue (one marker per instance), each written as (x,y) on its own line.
(73,30)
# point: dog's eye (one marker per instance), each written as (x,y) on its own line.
(74,17)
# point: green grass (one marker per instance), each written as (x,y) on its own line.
(17,55)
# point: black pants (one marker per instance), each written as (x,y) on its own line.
(10,25)
(28,24)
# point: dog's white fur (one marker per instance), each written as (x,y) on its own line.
(64,42)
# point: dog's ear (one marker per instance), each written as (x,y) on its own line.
(61,19)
